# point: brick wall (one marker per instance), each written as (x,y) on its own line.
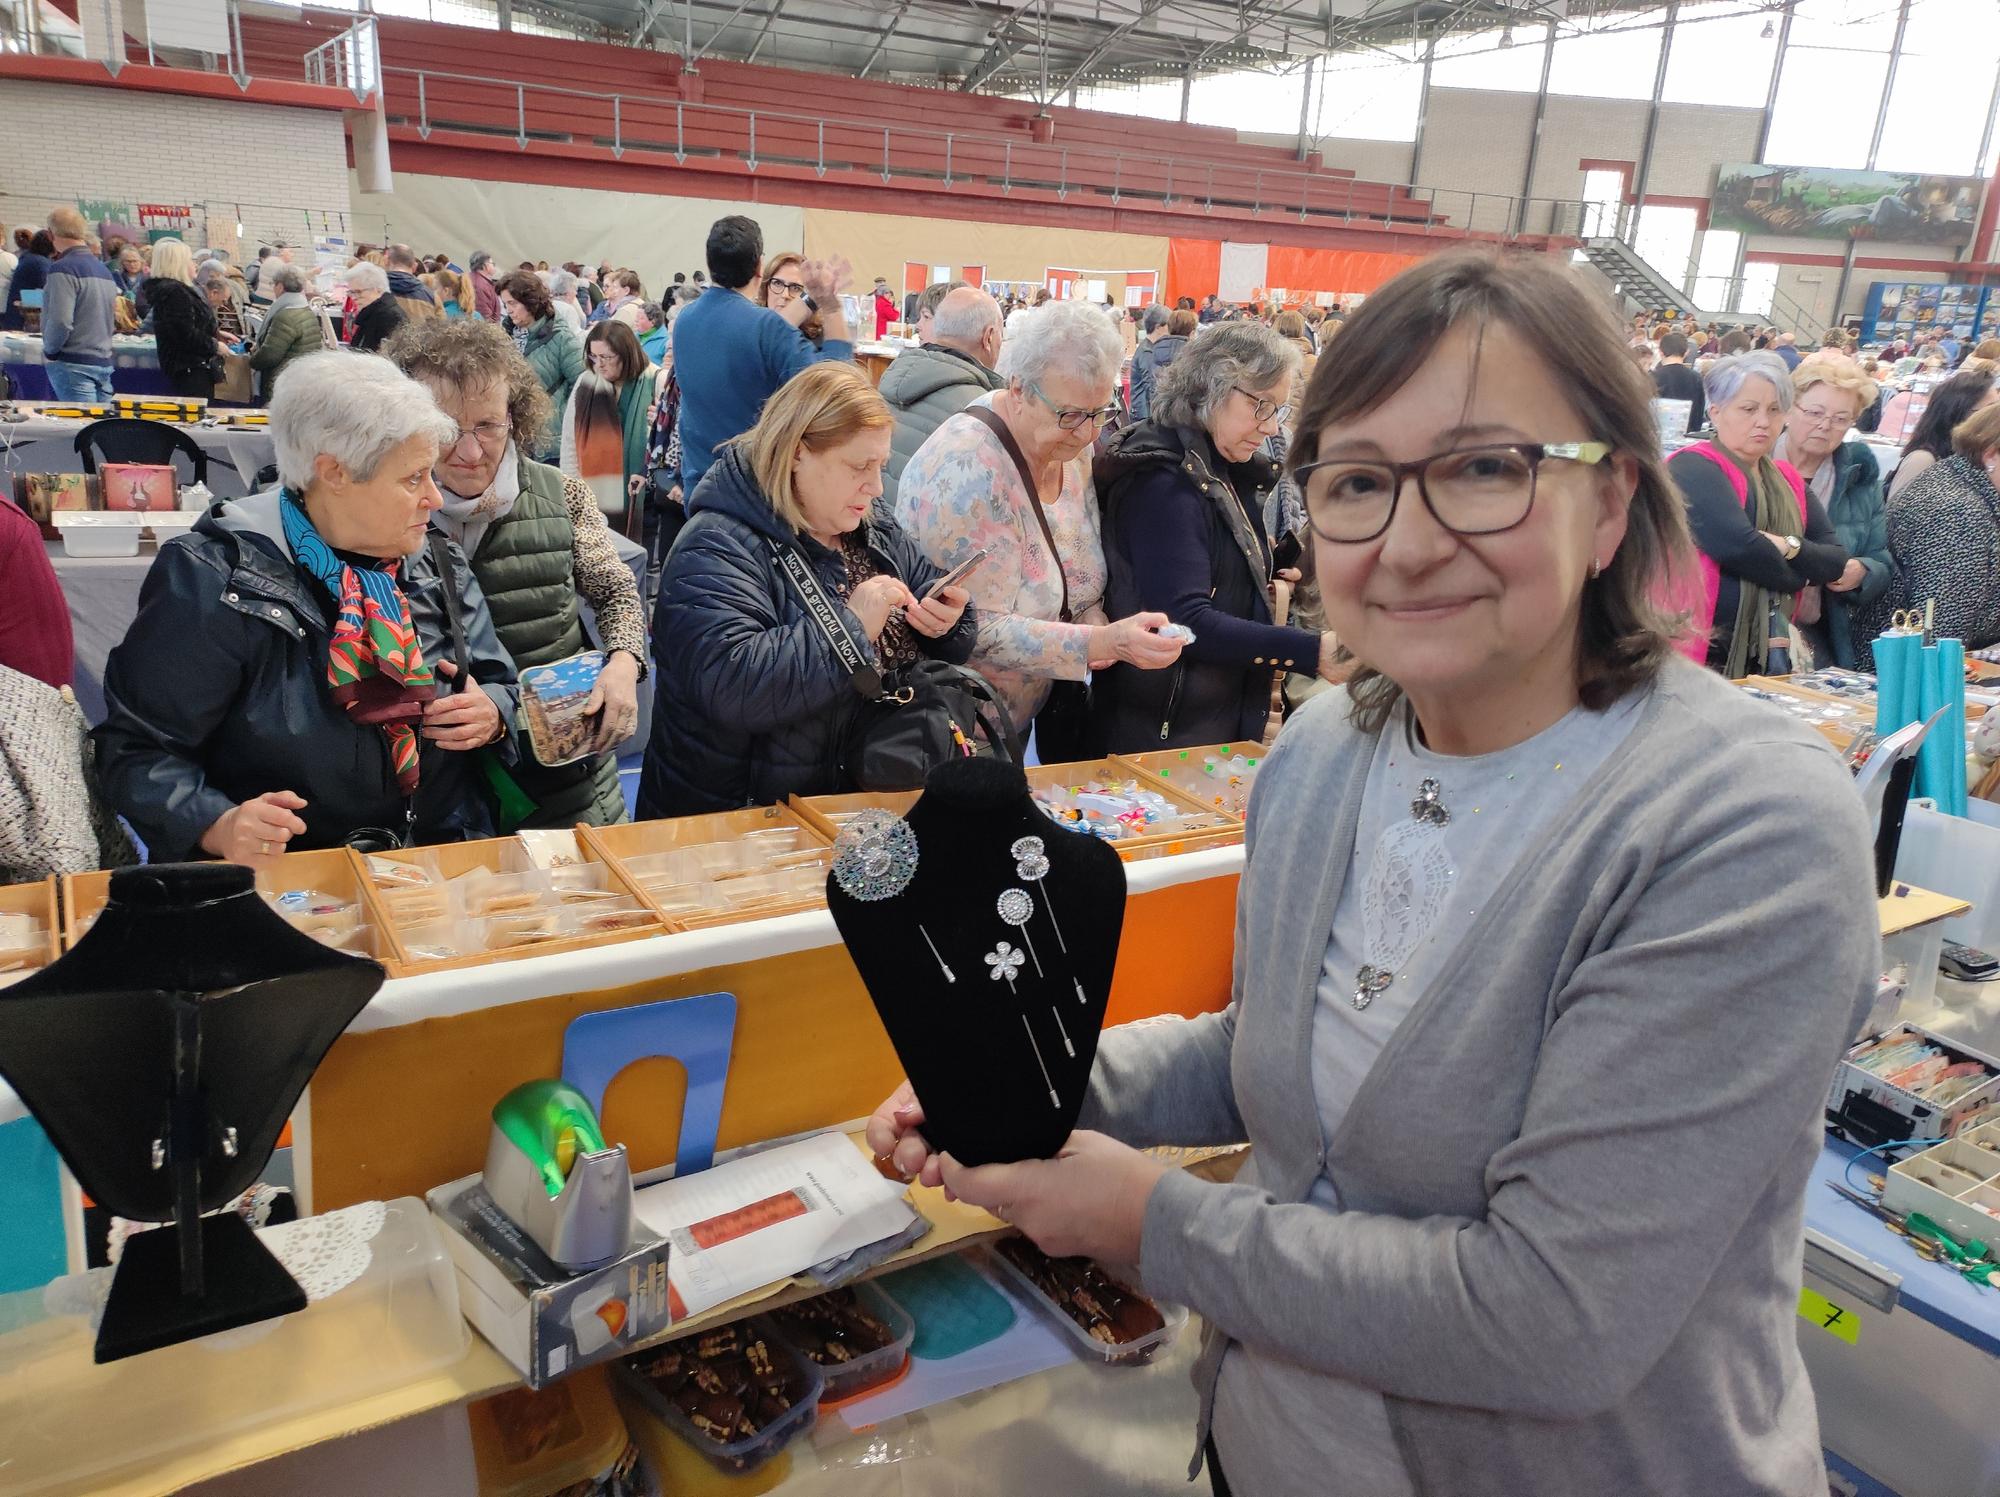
(163,148)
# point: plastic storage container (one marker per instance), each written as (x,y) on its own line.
(98,534)
(1115,1354)
(395,1322)
(737,1457)
(865,1373)
(567,1438)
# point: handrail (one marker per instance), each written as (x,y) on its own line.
(351,60)
(1022,163)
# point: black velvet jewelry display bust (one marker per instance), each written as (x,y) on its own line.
(162,1056)
(998,1042)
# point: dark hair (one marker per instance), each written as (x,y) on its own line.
(1623,637)
(1950,404)
(1185,303)
(1735,341)
(1673,346)
(1182,322)
(933,295)
(462,353)
(624,342)
(42,243)
(735,250)
(526,288)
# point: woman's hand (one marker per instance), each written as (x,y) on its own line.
(255,833)
(614,702)
(463,721)
(875,600)
(1134,641)
(934,618)
(1852,576)
(1089,1201)
(892,1134)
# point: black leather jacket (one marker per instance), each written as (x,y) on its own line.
(218,694)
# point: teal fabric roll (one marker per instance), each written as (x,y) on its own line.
(1898,660)
(1951,687)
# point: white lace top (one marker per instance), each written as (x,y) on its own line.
(1416,883)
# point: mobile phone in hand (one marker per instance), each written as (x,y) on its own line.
(958,573)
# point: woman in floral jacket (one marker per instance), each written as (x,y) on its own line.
(1041,615)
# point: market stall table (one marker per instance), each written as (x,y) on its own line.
(47,444)
(135,366)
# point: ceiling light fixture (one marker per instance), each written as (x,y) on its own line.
(1769,30)
(1507,36)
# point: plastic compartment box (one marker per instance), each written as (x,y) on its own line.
(864,1374)
(738,1457)
(99,534)
(395,1323)
(1129,1353)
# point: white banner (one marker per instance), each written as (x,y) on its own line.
(202,25)
(1244,267)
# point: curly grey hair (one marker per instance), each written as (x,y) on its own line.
(1246,354)
(1063,337)
(355,408)
(1724,379)
(364,275)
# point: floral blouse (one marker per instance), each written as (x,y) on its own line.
(962,492)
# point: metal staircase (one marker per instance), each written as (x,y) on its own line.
(1635,280)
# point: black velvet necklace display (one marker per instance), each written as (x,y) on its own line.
(999,1051)
(162,1056)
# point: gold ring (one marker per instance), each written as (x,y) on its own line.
(264,848)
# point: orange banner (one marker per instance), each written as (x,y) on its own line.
(1194,268)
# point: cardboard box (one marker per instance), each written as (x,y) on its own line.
(543,1319)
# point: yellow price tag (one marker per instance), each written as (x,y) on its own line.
(1830,1317)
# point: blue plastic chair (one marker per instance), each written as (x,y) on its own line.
(699,1032)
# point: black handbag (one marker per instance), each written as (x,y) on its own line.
(911,720)
(1065,729)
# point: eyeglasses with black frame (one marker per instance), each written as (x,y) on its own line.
(791,288)
(1069,417)
(1263,409)
(1469,490)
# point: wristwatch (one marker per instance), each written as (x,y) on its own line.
(811,305)
(1791,547)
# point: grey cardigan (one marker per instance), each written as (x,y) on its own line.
(1571,1252)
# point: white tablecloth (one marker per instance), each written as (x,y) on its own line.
(43,444)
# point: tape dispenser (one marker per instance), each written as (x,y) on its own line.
(549,1168)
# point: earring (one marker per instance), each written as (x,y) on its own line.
(1596,569)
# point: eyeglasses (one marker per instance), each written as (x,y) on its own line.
(1265,409)
(1470,491)
(488,433)
(1069,417)
(790,288)
(1824,418)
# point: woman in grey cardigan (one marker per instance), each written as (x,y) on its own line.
(1535,1007)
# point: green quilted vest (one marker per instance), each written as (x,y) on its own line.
(524,567)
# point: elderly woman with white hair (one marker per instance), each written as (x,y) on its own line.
(1763,537)
(1184,496)
(378,316)
(314,666)
(1008,480)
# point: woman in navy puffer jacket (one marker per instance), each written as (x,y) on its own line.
(752,704)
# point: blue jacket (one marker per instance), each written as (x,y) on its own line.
(78,305)
(31,273)
(730,356)
(751,704)
(1860,518)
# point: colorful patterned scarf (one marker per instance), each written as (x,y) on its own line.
(375,665)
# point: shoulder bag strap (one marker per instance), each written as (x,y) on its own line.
(461,657)
(820,608)
(993,423)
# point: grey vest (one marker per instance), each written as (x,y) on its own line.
(526,570)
